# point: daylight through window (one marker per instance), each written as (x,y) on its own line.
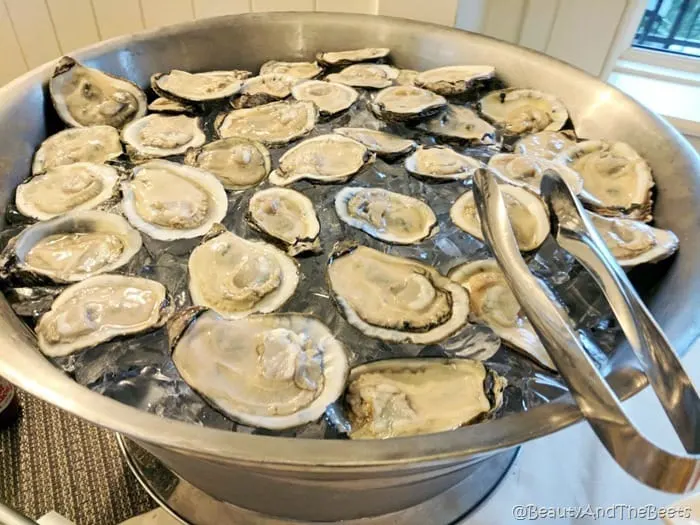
(672,26)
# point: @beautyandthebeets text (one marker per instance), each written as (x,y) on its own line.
(620,512)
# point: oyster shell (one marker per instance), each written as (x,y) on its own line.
(286,216)
(460,123)
(170,107)
(84,96)
(99,309)
(406,397)
(545,144)
(375,76)
(79,186)
(268,371)
(440,163)
(236,277)
(385,215)
(528,216)
(298,70)
(72,247)
(341,58)
(406,103)
(162,135)
(272,124)
(518,111)
(383,144)
(97,144)
(169,201)
(616,178)
(264,89)
(189,88)
(237,162)
(407,77)
(326,158)
(393,298)
(527,171)
(330,97)
(453,80)
(492,303)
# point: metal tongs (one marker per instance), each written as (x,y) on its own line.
(573,231)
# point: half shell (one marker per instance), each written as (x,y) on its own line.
(264,89)
(329,97)
(170,107)
(453,80)
(518,111)
(407,77)
(97,144)
(189,88)
(162,135)
(383,144)
(406,103)
(545,144)
(440,163)
(461,124)
(299,70)
(527,171)
(375,76)
(341,58)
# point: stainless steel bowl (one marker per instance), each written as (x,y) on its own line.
(332,480)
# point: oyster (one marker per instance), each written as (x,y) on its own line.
(440,163)
(79,186)
(616,178)
(237,162)
(365,76)
(72,247)
(298,70)
(518,111)
(171,107)
(406,103)
(453,80)
(97,144)
(162,135)
(383,144)
(341,58)
(405,397)
(407,77)
(527,214)
(268,371)
(633,242)
(393,298)
(325,158)
(527,171)
(169,201)
(385,215)
(329,97)
(545,144)
(263,90)
(84,96)
(272,124)
(461,124)
(189,88)
(286,216)
(237,277)
(99,309)
(492,303)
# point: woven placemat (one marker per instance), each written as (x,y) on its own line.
(50,460)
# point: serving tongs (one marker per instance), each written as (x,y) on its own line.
(573,231)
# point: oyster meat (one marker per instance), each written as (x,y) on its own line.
(189,88)
(330,97)
(460,123)
(393,298)
(405,397)
(385,215)
(286,216)
(545,144)
(84,96)
(518,111)
(272,124)
(268,371)
(236,277)
(171,107)
(341,58)
(527,170)
(326,158)
(375,76)
(407,77)
(162,135)
(453,80)
(169,201)
(383,144)
(79,186)
(264,89)
(298,70)
(440,163)
(99,309)
(406,103)
(97,144)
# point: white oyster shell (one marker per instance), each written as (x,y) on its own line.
(365,76)
(264,89)
(329,97)
(461,124)
(527,170)
(197,87)
(406,103)
(97,144)
(299,70)
(407,77)
(545,144)
(165,105)
(453,80)
(379,142)
(441,163)
(517,111)
(160,135)
(340,58)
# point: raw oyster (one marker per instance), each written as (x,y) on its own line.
(191,88)
(286,216)
(263,90)
(169,201)
(545,144)
(272,124)
(518,111)
(99,309)
(616,178)
(326,158)
(527,171)
(236,277)
(298,70)
(341,58)
(375,76)
(79,186)
(97,144)
(633,242)
(171,107)
(453,80)
(268,371)
(385,215)
(383,144)
(72,247)
(528,216)
(492,303)
(405,397)
(84,96)
(406,103)
(407,77)
(162,135)
(460,123)
(393,298)
(440,163)
(237,162)
(329,97)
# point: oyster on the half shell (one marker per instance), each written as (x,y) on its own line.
(406,103)
(97,144)
(383,144)
(170,107)
(299,70)
(440,163)
(453,80)
(329,97)
(161,135)
(341,58)
(527,171)
(517,111)
(545,144)
(459,123)
(190,88)
(374,76)
(264,89)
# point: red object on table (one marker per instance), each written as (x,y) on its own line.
(9,404)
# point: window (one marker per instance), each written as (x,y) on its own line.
(670,25)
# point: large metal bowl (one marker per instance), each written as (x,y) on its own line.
(329,480)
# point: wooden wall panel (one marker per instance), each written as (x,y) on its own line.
(205,8)
(118,18)
(537,23)
(34,30)
(157,13)
(12,63)
(436,11)
(74,22)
